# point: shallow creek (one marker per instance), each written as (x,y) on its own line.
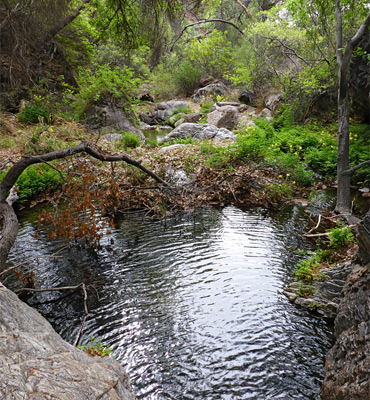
(192,305)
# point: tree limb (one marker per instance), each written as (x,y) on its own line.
(204,21)
(355,168)
(246,10)
(10,221)
(67,20)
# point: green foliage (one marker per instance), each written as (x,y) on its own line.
(96,82)
(340,237)
(129,140)
(213,55)
(95,347)
(186,76)
(251,145)
(277,191)
(36,179)
(308,269)
(34,115)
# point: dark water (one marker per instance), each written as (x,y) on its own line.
(192,305)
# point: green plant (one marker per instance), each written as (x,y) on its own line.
(129,140)
(340,237)
(95,347)
(34,115)
(308,269)
(37,179)
(305,290)
(278,191)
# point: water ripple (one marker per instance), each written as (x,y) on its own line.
(192,305)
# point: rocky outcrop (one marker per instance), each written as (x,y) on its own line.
(36,363)
(199,132)
(224,117)
(161,112)
(108,116)
(215,89)
(347,366)
(322,296)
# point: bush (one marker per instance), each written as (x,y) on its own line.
(34,115)
(37,179)
(129,140)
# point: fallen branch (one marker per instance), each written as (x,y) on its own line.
(327,233)
(317,225)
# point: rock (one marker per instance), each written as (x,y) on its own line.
(207,81)
(179,122)
(266,113)
(347,364)
(323,296)
(36,363)
(194,117)
(171,147)
(199,132)
(272,101)
(177,177)
(224,117)
(109,116)
(172,120)
(162,111)
(248,97)
(216,89)
(112,137)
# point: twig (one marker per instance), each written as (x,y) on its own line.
(26,262)
(317,225)
(327,233)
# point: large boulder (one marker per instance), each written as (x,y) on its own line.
(199,132)
(36,363)
(224,117)
(109,116)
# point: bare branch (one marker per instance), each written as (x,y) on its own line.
(355,168)
(246,10)
(204,21)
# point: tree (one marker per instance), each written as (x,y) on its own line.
(7,213)
(344,55)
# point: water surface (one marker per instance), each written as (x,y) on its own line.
(192,305)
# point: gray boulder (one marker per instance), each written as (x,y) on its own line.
(109,116)
(224,117)
(199,132)
(216,89)
(36,363)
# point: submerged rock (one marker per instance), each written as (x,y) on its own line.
(36,363)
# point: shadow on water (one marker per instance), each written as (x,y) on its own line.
(193,304)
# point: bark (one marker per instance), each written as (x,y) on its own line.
(9,218)
(343,204)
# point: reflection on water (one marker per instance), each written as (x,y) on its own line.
(192,305)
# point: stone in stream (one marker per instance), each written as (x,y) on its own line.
(36,363)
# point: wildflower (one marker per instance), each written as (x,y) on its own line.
(280,176)
(293,182)
(51,130)
(287,175)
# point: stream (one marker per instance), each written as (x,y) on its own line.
(192,305)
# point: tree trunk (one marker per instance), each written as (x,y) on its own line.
(343,205)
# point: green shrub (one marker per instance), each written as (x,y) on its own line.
(129,140)
(340,237)
(186,76)
(37,179)
(34,115)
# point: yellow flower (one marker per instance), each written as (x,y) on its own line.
(287,175)
(280,176)
(51,130)
(293,182)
